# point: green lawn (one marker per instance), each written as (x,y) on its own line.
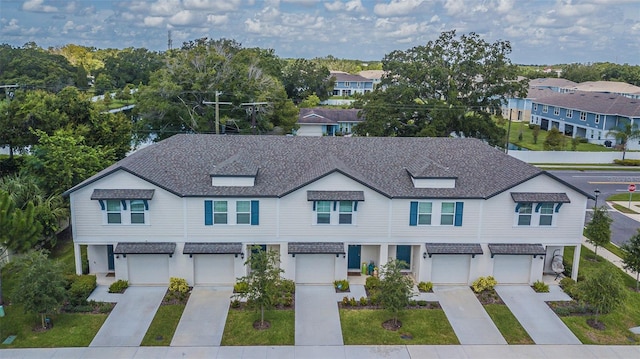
(164,325)
(69,329)
(507,324)
(614,249)
(239,328)
(624,209)
(527,139)
(427,326)
(635,196)
(617,322)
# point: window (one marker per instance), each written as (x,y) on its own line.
(569,113)
(346,212)
(524,214)
(347,84)
(545,108)
(424,213)
(546,214)
(583,116)
(220,212)
(535,107)
(114,209)
(447,213)
(556,111)
(597,118)
(137,211)
(323,212)
(243,212)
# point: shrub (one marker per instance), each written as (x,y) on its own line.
(425,286)
(570,287)
(483,283)
(286,300)
(627,162)
(241,287)
(341,285)
(353,302)
(372,283)
(540,287)
(235,303)
(363,301)
(288,286)
(422,303)
(345,300)
(80,289)
(413,303)
(118,286)
(178,285)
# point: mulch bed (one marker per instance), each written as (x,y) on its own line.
(392,325)
(261,326)
(176,298)
(489,297)
(244,306)
(429,305)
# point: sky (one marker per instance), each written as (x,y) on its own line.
(541,32)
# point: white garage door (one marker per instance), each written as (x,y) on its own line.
(214,269)
(450,269)
(512,269)
(315,268)
(148,269)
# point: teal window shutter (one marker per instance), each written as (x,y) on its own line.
(255,213)
(208,213)
(413,214)
(458,220)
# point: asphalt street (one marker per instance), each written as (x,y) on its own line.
(608,183)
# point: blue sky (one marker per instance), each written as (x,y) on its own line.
(540,31)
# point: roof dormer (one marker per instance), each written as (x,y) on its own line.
(234,172)
(432,175)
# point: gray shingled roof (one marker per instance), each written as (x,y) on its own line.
(335,196)
(454,248)
(516,248)
(594,102)
(327,116)
(182,164)
(145,248)
(347,77)
(237,166)
(316,248)
(122,194)
(538,197)
(212,248)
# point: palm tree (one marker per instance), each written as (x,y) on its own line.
(624,134)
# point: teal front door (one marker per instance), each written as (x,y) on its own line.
(354,256)
(110,263)
(403,253)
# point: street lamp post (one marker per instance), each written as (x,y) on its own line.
(597,193)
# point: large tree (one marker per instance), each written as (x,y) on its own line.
(598,230)
(631,257)
(450,85)
(303,78)
(395,288)
(625,133)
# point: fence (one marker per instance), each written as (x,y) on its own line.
(571,156)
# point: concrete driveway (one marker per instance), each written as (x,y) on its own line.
(202,322)
(129,320)
(469,320)
(317,318)
(529,307)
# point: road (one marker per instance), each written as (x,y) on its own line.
(609,183)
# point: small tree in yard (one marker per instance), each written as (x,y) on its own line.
(263,280)
(395,289)
(603,290)
(631,258)
(41,285)
(598,230)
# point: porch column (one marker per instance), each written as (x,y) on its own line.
(576,262)
(78,258)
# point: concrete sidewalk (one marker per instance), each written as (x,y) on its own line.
(337,352)
(129,320)
(202,322)
(604,253)
(317,319)
(469,320)
(542,324)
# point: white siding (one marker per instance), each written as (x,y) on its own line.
(309,130)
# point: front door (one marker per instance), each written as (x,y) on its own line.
(354,256)
(110,263)
(403,253)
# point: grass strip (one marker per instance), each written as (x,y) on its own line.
(507,324)
(163,326)
(239,328)
(424,326)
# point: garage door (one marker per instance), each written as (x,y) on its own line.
(512,269)
(214,269)
(450,269)
(315,268)
(148,269)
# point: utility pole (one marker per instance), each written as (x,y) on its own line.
(217,103)
(253,109)
(506,146)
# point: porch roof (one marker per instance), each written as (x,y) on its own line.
(212,248)
(454,248)
(539,197)
(145,248)
(316,248)
(122,194)
(517,249)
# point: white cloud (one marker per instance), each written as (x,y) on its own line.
(212,5)
(334,6)
(186,18)
(38,6)
(69,25)
(397,8)
(355,5)
(153,21)
(217,19)
(454,7)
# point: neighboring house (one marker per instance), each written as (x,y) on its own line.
(374,75)
(553,84)
(609,87)
(193,206)
(326,121)
(589,115)
(519,109)
(347,84)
